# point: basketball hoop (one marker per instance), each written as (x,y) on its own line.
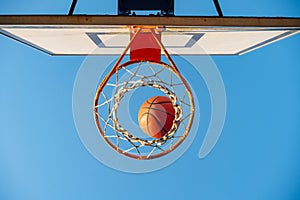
(143,70)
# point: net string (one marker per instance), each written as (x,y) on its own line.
(137,80)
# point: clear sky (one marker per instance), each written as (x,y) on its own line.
(257,156)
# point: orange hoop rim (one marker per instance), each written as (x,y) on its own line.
(128,154)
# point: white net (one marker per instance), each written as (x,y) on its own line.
(132,76)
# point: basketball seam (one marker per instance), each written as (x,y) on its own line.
(162,127)
(160,111)
(161,102)
(148,114)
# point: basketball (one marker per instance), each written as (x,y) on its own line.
(156,116)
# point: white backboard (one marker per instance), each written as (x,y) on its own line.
(225,37)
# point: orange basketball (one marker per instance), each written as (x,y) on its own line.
(156,116)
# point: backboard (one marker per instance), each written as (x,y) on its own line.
(109,35)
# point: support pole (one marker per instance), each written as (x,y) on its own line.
(73,5)
(218,7)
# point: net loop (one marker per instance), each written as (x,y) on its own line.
(131,76)
(142,83)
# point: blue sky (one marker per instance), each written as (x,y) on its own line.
(257,156)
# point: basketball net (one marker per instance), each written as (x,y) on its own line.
(144,69)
